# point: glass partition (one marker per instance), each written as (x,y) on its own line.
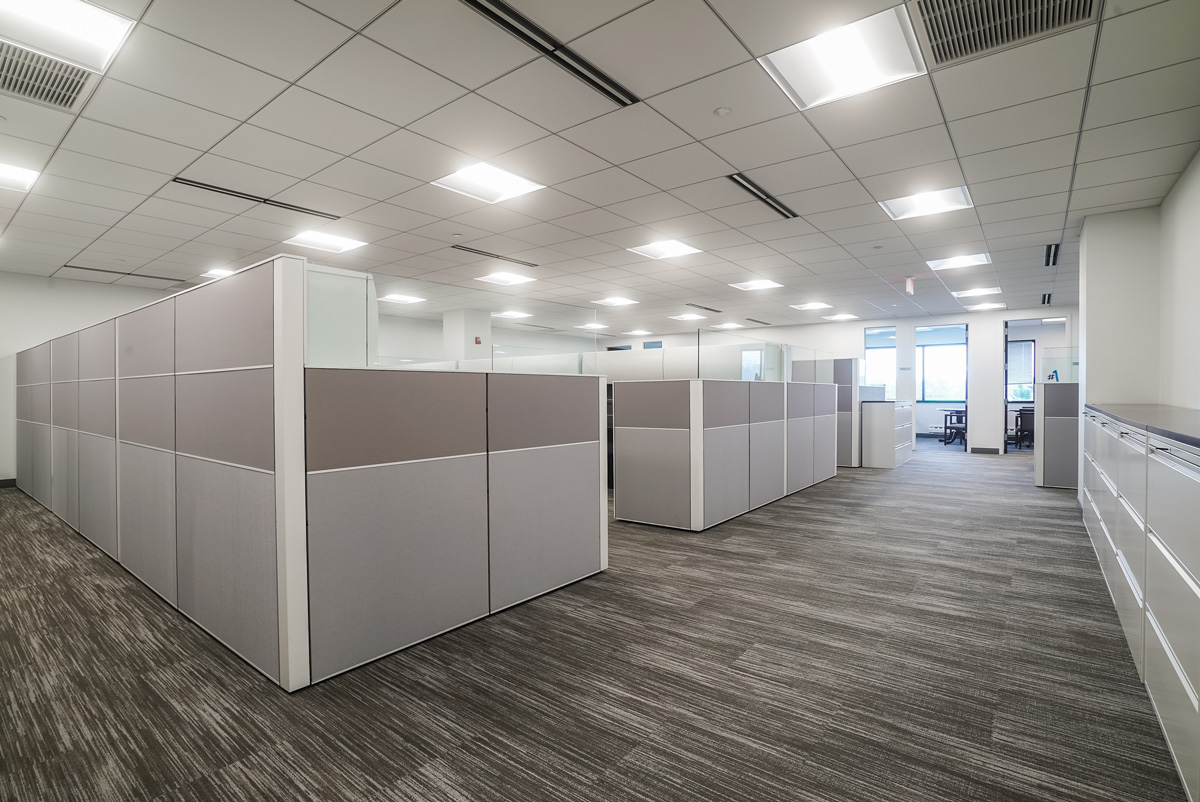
(879,366)
(735,356)
(1059,365)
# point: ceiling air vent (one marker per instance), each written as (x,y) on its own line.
(960,29)
(40,78)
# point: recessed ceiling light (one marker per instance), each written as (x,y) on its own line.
(1054,320)
(687,316)
(976,292)
(487,183)
(324,242)
(592,326)
(507,279)
(402,299)
(757,284)
(664,249)
(923,203)
(960,261)
(17,178)
(849,60)
(615,302)
(218,272)
(985,307)
(810,306)
(729,326)
(843,316)
(636,333)
(511,315)
(69,30)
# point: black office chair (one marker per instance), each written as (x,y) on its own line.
(956,428)
(1025,428)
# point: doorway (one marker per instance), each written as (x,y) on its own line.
(1025,344)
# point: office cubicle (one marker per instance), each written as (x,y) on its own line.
(275,503)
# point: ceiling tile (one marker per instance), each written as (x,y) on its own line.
(746,91)
(1124,192)
(549,161)
(781,139)
(33,121)
(373,79)
(676,168)
(163,64)
(25,153)
(1155,92)
(477,126)
(70,210)
(903,183)
(1125,42)
(1046,67)
(127,147)
(835,196)
(126,106)
(661,45)
(82,167)
(272,151)
(323,199)
(545,204)
(1041,119)
(548,95)
(182,213)
(395,217)
(450,39)
(317,120)
(207,199)
(221,172)
(851,217)
(1028,158)
(1148,133)
(1147,164)
(607,186)
(778,228)
(413,155)
(712,194)
(904,106)
(494,219)
(1024,225)
(745,214)
(1026,207)
(626,134)
(436,201)
(354,13)
(360,178)
(769,25)
(593,222)
(819,170)
(249,32)
(650,208)
(91,194)
(911,149)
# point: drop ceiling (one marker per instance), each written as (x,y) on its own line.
(352,108)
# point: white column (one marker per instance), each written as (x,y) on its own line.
(466,334)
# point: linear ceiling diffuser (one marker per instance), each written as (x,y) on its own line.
(962,29)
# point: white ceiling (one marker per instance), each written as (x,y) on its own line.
(353,106)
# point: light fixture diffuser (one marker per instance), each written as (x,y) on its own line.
(843,316)
(926,203)
(73,31)
(873,52)
(487,183)
(1054,320)
(976,292)
(322,242)
(810,306)
(511,315)
(614,302)
(664,249)
(757,284)
(960,261)
(687,316)
(217,272)
(402,299)
(636,333)
(17,178)
(592,326)
(985,307)
(729,326)
(507,279)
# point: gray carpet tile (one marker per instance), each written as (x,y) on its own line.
(937,632)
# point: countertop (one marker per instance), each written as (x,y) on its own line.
(1174,423)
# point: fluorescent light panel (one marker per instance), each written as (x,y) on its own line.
(487,183)
(324,242)
(687,316)
(1054,320)
(636,333)
(985,307)
(873,52)
(976,292)
(926,203)
(218,272)
(69,30)
(614,302)
(592,326)
(507,279)
(960,261)
(729,326)
(757,284)
(17,178)
(664,249)
(843,316)
(810,306)
(402,299)
(511,315)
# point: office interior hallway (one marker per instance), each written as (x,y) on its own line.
(937,632)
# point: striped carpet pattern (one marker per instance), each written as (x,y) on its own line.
(937,632)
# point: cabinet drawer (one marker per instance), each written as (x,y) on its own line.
(1107,447)
(903,453)
(1091,519)
(1173,700)
(1175,603)
(1091,430)
(1173,507)
(1129,609)
(1131,470)
(1130,538)
(904,415)
(1106,504)
(904,434)
(1091,476)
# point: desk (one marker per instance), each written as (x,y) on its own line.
(950,435)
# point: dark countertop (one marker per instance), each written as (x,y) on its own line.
(1175,423)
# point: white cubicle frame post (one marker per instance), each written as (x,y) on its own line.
(603,437)
(291,506)
(696,432)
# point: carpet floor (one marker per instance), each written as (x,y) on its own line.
(937,632)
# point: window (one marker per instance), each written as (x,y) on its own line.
(620,347)
(652,344)
(1021,370)
(752,365)
(940,370)
(880,363)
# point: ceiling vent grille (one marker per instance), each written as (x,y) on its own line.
(959,29)
(36,77)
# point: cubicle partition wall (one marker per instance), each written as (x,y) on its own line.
(690,454)
(1056,435)
(187,440)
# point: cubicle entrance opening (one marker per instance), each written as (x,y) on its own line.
(1025,346)
(940,380)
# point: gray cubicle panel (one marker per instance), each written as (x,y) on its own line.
(768,442)
(800,459)
(544,460)
(97,459)
(1056,433)
(726,450)
(34,441)
(825,432)
(64,433)
(397,510)
(652,480)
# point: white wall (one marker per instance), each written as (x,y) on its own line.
(34,310)
(1179,350)
(413,338)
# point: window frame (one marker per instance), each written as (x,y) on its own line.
(920,355)
(1008,399)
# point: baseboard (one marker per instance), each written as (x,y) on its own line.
(8,483)
(985,451)
(930,435)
